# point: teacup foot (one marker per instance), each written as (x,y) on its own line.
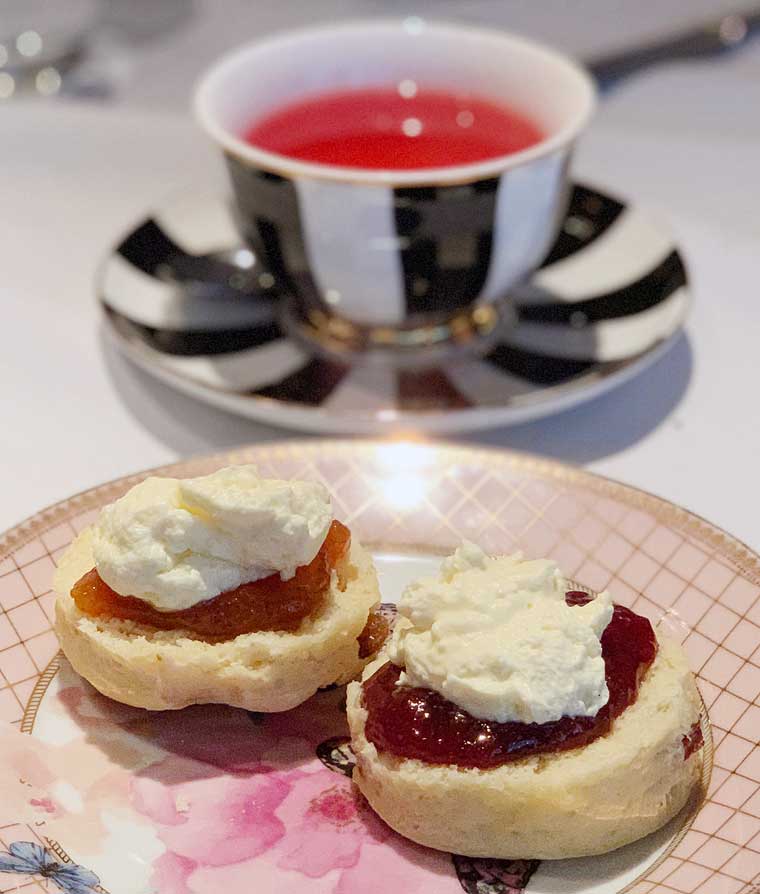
(474,331)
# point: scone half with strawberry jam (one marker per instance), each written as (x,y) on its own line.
(227,588)
(512,716)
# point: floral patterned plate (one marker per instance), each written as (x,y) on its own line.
(99,797)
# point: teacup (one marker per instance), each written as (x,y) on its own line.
(397,258)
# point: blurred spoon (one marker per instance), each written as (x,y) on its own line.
(722,35)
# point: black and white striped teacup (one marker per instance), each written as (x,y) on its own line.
(390,257)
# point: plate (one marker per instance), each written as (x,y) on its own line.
(96,796)
(185,301)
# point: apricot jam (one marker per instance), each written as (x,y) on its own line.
(419,723)
(266,604)
(375,633)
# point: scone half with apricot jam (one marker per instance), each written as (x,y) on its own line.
(512,716)
(229,588)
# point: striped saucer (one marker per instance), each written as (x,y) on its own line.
(184,300)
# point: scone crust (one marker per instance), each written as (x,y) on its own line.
(587,801)
(267,671)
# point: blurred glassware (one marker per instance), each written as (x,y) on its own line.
(79,48)
(41,41)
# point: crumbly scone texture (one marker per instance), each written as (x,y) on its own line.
(577,803)
(266,671)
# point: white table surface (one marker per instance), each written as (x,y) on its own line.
(684,139)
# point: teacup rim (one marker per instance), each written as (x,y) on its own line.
(451,175)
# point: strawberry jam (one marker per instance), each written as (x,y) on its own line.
(693,740)
(419,723)
(266,604)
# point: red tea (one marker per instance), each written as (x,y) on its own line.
(394,128)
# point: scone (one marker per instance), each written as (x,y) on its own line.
(611,785)
(170,573)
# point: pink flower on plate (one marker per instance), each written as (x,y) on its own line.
(171,873)
(268,829)
(209,817)
(330,826)
(327,823)
(45,805)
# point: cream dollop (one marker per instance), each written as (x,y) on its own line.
(495,636)
(177,542)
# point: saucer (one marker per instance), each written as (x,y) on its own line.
(186,301)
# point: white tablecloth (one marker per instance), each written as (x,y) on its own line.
(684,139)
